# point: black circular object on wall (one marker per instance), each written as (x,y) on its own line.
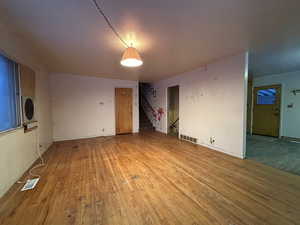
(29,109)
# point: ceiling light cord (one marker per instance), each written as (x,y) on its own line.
(109,23)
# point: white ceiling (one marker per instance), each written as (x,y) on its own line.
(173,36)
(281,58)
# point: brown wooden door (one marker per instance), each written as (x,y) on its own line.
(266,110)
(123,110)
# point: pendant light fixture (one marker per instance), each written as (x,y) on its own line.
(131,57)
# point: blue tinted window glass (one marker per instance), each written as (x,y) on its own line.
(9,99)
(266,96)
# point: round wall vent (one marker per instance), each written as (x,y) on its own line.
(29,109)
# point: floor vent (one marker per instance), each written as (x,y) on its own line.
(30,184)
(188,138)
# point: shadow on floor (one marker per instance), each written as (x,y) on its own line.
(274,152)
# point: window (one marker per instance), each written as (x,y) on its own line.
(9,94)
(266,96)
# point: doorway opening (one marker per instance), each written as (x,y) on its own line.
(173,110)
(273,126)
(146,110)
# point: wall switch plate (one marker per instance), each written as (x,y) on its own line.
(30,184)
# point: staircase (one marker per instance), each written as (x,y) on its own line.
(145,123)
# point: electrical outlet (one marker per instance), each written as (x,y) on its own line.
(212,140)
(103,129)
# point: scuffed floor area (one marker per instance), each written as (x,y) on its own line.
(151,179)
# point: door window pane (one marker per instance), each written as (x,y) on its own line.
(266,96)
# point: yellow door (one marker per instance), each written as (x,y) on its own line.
(266,110)
(249,106)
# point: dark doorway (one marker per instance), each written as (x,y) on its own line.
(173,110)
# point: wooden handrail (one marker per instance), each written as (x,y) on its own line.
(173,124)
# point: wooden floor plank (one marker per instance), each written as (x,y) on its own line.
(150,178)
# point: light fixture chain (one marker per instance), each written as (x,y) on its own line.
(109,23)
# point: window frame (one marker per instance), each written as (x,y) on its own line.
(267,89)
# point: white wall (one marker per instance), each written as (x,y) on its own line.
(44,112)
(17,149)
(290,117)
(212,103)
(82,106)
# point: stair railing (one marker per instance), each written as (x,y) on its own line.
(148,109)
(174,124)
(146,105)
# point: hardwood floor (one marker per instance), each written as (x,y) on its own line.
(151,179)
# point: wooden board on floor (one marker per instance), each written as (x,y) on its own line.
(151,178)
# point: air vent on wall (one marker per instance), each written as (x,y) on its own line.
(188,138)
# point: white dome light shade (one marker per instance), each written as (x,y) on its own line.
(131,62)
(131,58)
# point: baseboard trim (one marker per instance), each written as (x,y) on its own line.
(56,139)
(221,150)
(160,131)
(290,138)
(80,138)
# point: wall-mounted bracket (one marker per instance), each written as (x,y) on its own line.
(295,91)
